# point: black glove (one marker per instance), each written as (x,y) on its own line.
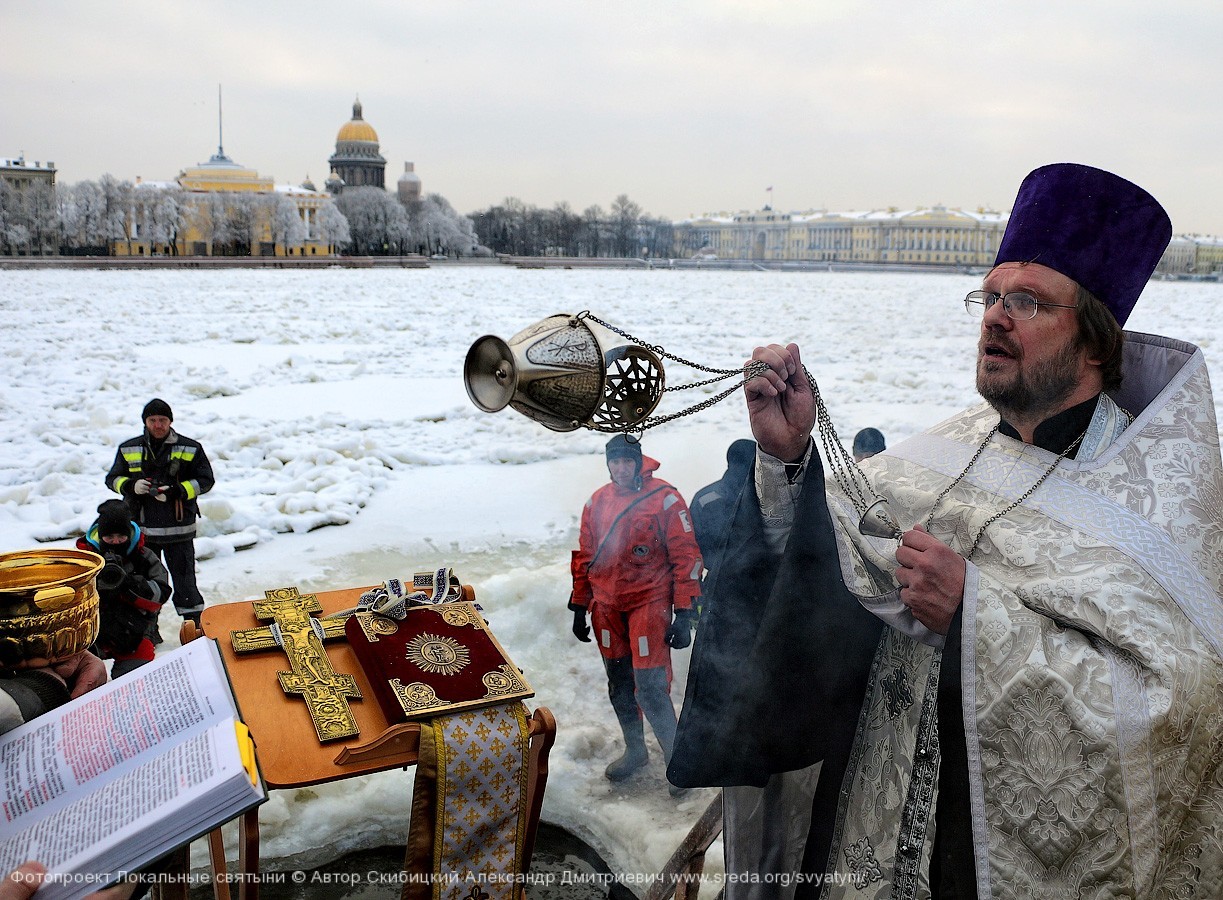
(581,630)
(138,585)
(173,491)
(679,632)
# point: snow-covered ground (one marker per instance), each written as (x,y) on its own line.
(335,398)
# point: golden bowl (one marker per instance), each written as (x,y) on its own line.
(48,606)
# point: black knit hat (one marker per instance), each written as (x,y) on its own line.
(620,447)
(114,518)
(740,454)
(156,407)
(869,441)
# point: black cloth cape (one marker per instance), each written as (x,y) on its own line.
(780,664)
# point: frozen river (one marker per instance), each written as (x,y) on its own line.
(331,404)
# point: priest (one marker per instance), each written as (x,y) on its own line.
(1020,691)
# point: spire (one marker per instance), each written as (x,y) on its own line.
(356,108)
(219,158)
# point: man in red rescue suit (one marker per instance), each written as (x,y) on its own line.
(638,573)
(131,587)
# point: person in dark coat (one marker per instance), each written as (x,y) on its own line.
(713,506)
(867,443)
(132,586)
(161,474)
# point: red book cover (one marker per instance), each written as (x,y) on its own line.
(438,660)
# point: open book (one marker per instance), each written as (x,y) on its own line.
(122,775)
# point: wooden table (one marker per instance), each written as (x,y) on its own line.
(288,750)
(289,753)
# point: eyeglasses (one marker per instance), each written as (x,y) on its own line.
(1016,304)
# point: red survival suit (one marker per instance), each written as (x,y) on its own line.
(637,560)
(636,549)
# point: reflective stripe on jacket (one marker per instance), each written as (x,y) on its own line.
(179,460)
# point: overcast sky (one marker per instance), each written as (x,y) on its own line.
(687,106)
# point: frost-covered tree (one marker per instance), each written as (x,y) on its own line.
(5,216)
(561,228)
(377,222)
(332,227)
(245,219)
(82,214)
(212,219)
(117,201)
(29,219)
(287,226)
(592,237)
(166,215)
(625,217)
(439,229)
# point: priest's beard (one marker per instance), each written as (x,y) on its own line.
(1035,395)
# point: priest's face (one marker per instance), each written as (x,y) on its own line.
(1031,369)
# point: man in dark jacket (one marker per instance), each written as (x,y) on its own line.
(132,586)
(161,474)
(713,506)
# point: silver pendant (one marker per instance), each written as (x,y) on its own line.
(879,522)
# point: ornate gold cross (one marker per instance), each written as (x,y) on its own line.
(325,691)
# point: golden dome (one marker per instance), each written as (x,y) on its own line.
(358,129)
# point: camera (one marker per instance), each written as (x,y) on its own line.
(113,573)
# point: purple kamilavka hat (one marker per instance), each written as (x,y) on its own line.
(1094,227)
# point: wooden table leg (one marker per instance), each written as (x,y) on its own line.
(216,855)
(248,855)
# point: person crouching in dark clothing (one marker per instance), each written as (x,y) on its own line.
(132,586)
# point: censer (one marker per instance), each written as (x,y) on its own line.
(577,371)
(48,606)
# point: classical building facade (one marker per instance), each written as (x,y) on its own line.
(28,217)
(356,161)
(919,237)
(19,174)
(935,236)
(223,208)
(1193,255)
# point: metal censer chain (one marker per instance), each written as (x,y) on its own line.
(875,519)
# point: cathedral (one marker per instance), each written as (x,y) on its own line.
(358,163)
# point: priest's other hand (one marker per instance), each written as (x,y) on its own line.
(931,578)
(780,403)
(581,630)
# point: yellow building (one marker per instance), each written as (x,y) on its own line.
(1209,256)
(937,236)
(220,208)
